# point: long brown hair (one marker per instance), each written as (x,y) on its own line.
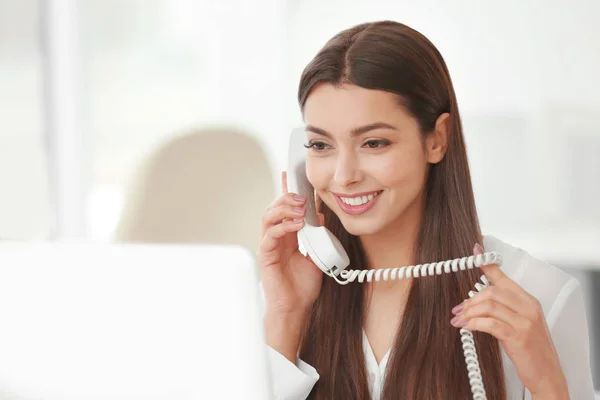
(427,361)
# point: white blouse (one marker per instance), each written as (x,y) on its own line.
(562,302)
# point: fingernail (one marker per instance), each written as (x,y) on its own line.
(298,210)
(478,249)
(297,197)
(458,309)
(459,324)
(298,220)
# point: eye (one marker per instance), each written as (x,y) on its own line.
(376,144)
(318,146)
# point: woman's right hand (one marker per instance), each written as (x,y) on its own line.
(291,281)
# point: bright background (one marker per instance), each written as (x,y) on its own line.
(88,88)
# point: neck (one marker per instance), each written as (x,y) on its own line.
(394,246)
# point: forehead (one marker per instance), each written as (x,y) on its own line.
(341,109)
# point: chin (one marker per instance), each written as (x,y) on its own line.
(362,228)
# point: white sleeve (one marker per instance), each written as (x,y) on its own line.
(290,381)
(569,329)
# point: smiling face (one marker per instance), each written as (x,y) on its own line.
(367,158)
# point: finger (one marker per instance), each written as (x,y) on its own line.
(275,233)
(287,198)
(288,209)
(281,213)
(498,278)
(493,272)
(284,188)
(488,309)
(500,330)
(521,298)
(500,295)
(477,249)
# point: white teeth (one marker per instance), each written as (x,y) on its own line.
(357,201)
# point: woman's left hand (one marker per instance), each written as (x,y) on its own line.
(516,319)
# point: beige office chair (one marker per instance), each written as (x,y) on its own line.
(210,186)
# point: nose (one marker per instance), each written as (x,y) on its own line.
(347,170)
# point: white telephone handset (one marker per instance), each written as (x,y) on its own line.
(329,255)
(324,248)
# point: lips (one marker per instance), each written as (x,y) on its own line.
(357,194)
(357,210)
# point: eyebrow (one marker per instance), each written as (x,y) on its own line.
(361,130)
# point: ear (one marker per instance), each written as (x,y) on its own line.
(437,141)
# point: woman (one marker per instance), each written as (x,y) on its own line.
(383,126)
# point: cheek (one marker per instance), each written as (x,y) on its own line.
(401,169)
(318,173)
